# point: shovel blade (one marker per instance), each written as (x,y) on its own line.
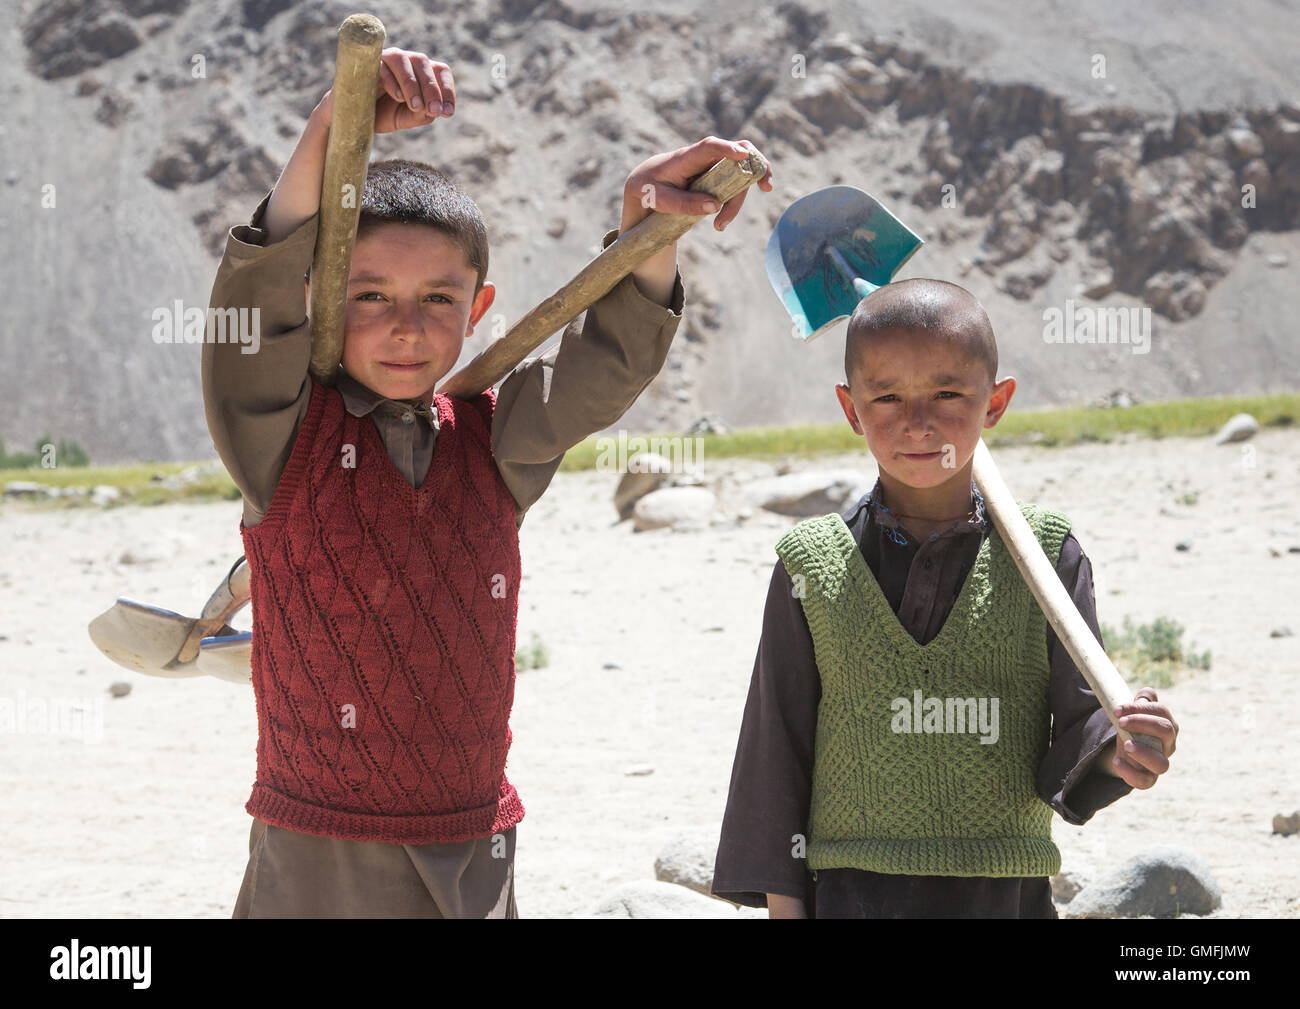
(228,657)
(142,637)
(829,250)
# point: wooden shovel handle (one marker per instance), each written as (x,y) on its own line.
(723,181)
(1041,578)
(232,595)
(347,153)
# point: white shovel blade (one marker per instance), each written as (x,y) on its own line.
(227,658)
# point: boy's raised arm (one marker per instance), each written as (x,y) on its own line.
(255,402)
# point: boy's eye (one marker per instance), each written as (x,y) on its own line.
(364,295)
(890,396)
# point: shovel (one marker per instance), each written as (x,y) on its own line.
(150,639)
(830,250)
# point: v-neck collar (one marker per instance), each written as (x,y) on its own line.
(438,470)
(863,577)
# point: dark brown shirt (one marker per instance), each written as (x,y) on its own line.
(548,404)
(771,779)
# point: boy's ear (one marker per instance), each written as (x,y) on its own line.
(482,302)
(846,404)
(999,400)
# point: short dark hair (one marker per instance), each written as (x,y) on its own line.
(934,306)
(399,191)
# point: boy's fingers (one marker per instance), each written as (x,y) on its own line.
(729,210)
(1134,774)
(668,199)
(389,83)
(400,64)
(1144,757)
(1147,724)
(430,86)
(702,155)
(448,86)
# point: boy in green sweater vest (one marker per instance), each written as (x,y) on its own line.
(915,769)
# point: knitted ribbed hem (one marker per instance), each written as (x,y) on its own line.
(280,810)
(940,856)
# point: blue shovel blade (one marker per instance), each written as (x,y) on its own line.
(831,249)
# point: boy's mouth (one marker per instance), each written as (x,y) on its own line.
(400,366)
(921,456)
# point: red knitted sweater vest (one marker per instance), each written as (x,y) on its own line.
(384,634)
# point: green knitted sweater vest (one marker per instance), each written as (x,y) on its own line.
(926,756)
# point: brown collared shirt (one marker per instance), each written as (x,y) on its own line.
(771,780)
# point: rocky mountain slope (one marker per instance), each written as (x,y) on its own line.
(1050,156)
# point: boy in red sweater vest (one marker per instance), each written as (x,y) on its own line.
(381,520)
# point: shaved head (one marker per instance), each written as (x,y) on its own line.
(935,307)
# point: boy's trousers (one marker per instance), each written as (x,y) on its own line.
(294,875)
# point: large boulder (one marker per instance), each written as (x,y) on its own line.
(808,493)
(1163,882)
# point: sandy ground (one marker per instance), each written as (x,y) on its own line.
(149,822)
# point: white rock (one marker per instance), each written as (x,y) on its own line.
(653,899)
(675,507)
(687,860)
(646,472)
(1238,428)
(27,488)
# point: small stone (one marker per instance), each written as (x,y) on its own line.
(119,688)
(1183,545)
(687,860)
(1237,428)
(611,665)
(1064,887)
(1278,260)
(1280,632)
(26,488)
(1287,825)
(639,771)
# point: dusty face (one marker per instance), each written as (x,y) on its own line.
(410,308)
(911,396)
